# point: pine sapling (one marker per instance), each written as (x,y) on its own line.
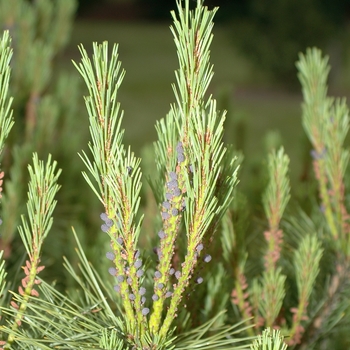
(194,189)
(306,261)
(41,203)
(265,296)
(275,200)
(326,123)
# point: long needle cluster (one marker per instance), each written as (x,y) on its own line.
(198,177)
(326,122)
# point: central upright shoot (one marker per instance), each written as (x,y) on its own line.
(196,176)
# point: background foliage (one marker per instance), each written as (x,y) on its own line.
(287,267)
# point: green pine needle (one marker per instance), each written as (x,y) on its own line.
(269,340)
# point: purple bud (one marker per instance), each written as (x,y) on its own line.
(177,274)
(129,280)
(143,300)
(165,215)
(120,278)
(166,205)
(199,280)
(145,311)
(199,247)
(112,271)
(142,291)
(172,184)
(180,157)
(132,296)
(174,212)
(117,288)
(157,274)
(155,297)
(191,168)
(173,175)
(169,196)
(207,258)
(168,294)
(177,192)
(139,273)
(138,263)
(160,285)
(136,254)
(104,216)
(316,155)
(120,240)
(179,147)
(104,228)
(109,222)
(110,256)
(171,271)
(161,234)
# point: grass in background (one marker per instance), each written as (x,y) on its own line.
(149,57)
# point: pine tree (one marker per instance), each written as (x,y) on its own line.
(208,285)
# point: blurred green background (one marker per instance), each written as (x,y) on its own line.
(255,46)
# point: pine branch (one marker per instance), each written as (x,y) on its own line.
(203,180)
(326,122)
(255,293)
(118,178)
(269,341)
(307,259)
(80,320)
(331,313)
(275,201)
(199,175)
(273,293)
(337,161)
(265,297)
(42,189)
(223,337)
(240,296)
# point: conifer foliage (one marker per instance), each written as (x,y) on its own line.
(197,178)
(44,107)
(200,290)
